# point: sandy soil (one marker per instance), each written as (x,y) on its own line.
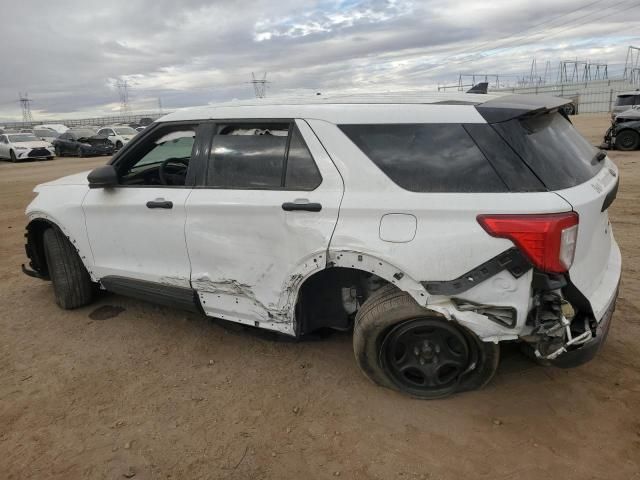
(158,393)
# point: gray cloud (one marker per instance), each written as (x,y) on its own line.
(69,54)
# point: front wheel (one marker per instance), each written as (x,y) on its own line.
(13,157)
(79,152)
(58,151)
(71,281)
(118,145)
(400,345)
(627,140)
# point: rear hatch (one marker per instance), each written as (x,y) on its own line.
(576,171)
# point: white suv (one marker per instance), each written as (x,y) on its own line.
(119,135)
(436,227)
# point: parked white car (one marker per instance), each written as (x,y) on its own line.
(23,146)
(118,135)
(57,127)
(436,228)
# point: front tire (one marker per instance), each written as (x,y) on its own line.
(627,140)
(402,346)
(12,156)
(71,282)
(79,152)
(58,151)
(118,145)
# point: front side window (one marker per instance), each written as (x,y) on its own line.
(160,159)
(125,131)
(269,156)
(427,157)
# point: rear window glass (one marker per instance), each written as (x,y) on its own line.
(553,149)
(427,157)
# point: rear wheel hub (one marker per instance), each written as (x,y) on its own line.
(425,357)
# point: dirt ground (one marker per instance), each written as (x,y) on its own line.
(158,393)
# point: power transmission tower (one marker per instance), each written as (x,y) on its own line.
(159,106)
(123,91)
(259,85)
(25,102)
(632,65)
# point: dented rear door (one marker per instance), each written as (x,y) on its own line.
(251,239)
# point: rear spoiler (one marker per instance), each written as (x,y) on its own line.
(482,87)
(508,107)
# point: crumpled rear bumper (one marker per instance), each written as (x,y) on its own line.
(588,350)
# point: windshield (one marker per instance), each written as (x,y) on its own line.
(624,100)
(552,148)
(125,131)
(22,137)
(83,133)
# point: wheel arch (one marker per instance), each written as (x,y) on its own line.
(329,297)
(34,246)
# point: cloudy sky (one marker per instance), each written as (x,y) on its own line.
(70,55)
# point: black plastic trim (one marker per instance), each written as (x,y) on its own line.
(512,260)
(611,196)
(184,298)
(509,107)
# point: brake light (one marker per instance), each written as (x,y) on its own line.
(548,240)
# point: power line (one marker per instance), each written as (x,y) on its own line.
(508,43)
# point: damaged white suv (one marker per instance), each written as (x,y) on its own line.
(436,227)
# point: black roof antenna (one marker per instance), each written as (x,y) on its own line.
(481,87)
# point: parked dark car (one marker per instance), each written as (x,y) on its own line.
(624,132)
(82,142)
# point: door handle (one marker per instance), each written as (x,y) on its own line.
(306,206)
(160,203)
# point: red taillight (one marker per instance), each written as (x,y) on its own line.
(549,240)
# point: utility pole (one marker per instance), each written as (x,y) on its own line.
(26,107)
(123,91)
(259,85)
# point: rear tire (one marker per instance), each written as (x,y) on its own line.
(627,140)
(12,156)
(381,321)
(71,282)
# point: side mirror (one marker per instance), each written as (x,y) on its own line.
(104,176)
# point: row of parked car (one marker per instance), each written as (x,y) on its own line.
(44,142)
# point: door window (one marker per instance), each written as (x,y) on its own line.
(269,156)
(162,158)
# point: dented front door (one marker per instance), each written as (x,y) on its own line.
(250,248)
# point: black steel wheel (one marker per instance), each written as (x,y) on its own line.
(389,328)
(628,140)
(426,357)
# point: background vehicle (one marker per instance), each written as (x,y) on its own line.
(118,135)
(435,227)
(58,127)
(81,142)
(46,134)
(625,101)
(23,146)
(624,132)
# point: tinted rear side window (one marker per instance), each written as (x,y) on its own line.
(427,157)
(553,149)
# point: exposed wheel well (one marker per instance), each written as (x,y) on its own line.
(35,245)
(331,298)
